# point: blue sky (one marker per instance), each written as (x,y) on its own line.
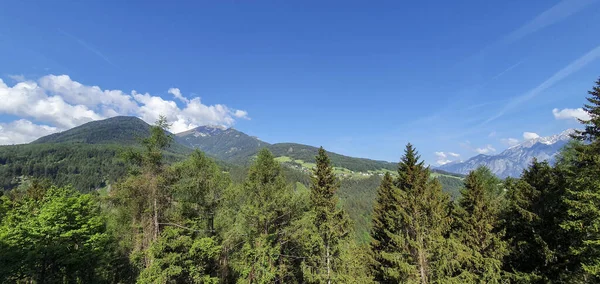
(359,78)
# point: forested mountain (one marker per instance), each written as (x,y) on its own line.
(512,161)
(122,130)
(225,144)
(231,145)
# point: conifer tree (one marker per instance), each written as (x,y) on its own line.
(532,222)
(592,108)
(387,254)
(331,224)
(583,194)
(142,197)
(414,247)
(267,209)
(477,223)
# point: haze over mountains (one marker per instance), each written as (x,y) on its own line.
(512,161)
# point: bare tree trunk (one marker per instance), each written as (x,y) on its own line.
(155,215)
(422,261)
(328,264)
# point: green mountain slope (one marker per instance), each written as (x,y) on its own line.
(119,130)
(122,130)
(307,154)
(87,156)
(221,143)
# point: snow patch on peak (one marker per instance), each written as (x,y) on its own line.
(548,140)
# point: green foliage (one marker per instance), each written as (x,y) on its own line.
(532,224)
(592,126)
(85,167)
(411,222)
(476,228)
(259,242)
(57,236)
(582,198)
(322,263)
(181,257)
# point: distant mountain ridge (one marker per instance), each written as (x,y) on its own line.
(88,155)
(512,161)
(125,130)
(223,143)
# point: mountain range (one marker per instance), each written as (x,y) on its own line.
(512,161)
(94,148)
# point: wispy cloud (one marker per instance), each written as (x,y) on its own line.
(557,77)
(88,47)
(17,77)
(555,14)
(506,71)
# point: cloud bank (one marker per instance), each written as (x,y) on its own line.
(570,113)
(56,102)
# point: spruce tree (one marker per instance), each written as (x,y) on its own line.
(532,222)
(332,224)
(583,194)
(387,254)
(592,125)
(477,223)
(264,252)
(414,247)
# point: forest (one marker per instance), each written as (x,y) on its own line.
(194,221)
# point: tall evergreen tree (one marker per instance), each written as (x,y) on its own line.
(144,195)
(387,253)
(477,228)
(583,194)
(414,247)
(532,222)
(263,250)
(332,224)
(592,108)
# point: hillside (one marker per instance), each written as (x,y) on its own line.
(512,161)
(225,144)
(123,130)
(119,130)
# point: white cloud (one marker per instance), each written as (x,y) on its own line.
(492,134)
(570,113)
(510,141)
(63,103)
(17,77)
(442,157)
(23,131)
(177,94)
(530,135)
(485,150)
(241,114)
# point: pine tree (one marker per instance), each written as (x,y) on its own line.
(592,125)
(583,194)
(264,252)
(477,223)
(387,254)
(414,247)
(331,224)
(143,196)
(532,223)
